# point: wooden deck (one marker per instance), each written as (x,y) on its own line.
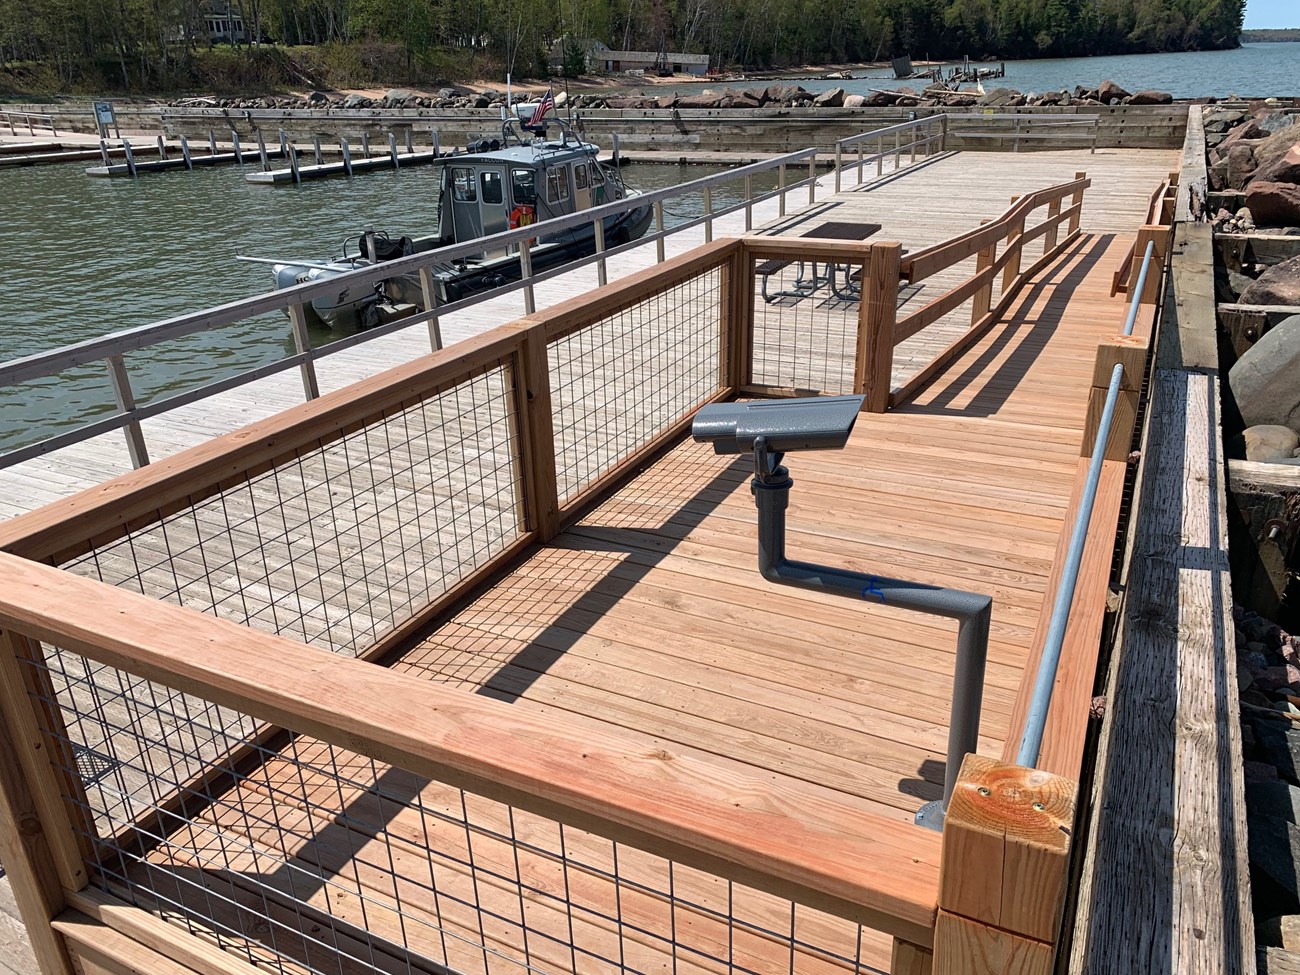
(649,615)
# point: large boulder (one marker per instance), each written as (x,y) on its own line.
(854,101)
(1222,120)
(830,98)
(1277,145)
(1283,169)
(1248,131)
(1150,97)
(356,101)
(1265,381)
(1265,442)
(1274,205)
(1272,122)
(999,96)
(1241,166)
(1109,93)
(699,101)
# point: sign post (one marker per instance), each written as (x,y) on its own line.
(104,117)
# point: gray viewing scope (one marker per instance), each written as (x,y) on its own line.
(812,423)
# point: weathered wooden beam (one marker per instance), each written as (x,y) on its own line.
(1234,250)
(1130,352)
(1188,332)
(1192,177)
(1165,868)
(1005,871)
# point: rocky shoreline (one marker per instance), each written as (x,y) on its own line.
(780,95)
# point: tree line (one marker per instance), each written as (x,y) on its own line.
(160,44)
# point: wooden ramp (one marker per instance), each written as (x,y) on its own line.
(649,616)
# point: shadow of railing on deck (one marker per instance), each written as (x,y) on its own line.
(1077,262)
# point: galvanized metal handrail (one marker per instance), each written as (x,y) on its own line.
(878,137)
(1031,740)
(30,119)
(112,347)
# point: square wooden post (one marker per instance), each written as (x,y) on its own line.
(1013,244)
(1005,870)
(42,853)
(1049,238)
(1130,351)
(739,325)
(537,442)
(877,315)
(1077,201)
(982,300)
(1161,236)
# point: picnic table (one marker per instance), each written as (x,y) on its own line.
(810,278)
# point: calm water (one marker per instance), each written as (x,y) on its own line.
(1254,69)
(89,256)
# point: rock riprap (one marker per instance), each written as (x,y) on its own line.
(1265,381)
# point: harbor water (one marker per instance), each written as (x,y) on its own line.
(99,255)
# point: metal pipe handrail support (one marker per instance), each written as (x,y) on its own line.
(771,486)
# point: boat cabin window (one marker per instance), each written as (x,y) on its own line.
(524,186)
(557,184)
(579,177)
(493,187)
(462,185)
(597,174)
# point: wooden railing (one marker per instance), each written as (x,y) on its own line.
(1160,212)
(481,451)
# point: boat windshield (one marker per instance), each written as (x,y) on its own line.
(523,184)
(462,185)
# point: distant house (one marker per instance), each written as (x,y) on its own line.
(223,24)
(601,59)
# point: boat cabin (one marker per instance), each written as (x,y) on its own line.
(484,193)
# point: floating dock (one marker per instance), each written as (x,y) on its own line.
(301,172)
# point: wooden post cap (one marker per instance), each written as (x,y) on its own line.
(1006,844)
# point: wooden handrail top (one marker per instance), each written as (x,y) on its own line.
(925,262)
(802,842)
(794,247)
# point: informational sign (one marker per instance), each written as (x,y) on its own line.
(104,113)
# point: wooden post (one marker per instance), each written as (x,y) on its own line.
(877,314)
(429,289)
(28,864)
(315,144)
(1078,202)
(261,151)
(910,959)
(185,153)
(293,164)
(365,145)
(1049,238)
(1130,351)
(239,153)
(983,298)
(1013,260)
(129,156)
(533,383)
(392,148)
(742,320)
(162,148)
(1161,237)
(347,156)
(212,143)
(410,148)
(1005,870)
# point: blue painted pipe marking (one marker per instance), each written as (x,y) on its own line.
(872,589)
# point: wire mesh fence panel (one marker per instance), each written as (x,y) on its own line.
(347,538)
(619,382)
(304,857)
(806,324)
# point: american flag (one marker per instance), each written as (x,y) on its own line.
(544,106)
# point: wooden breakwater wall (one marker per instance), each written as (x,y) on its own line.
(772,130)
